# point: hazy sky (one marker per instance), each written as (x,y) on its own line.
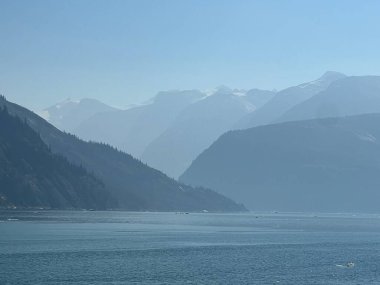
(123,51)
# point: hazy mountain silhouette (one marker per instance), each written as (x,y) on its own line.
(69,114)
(259,97)
(133,129)
(198,126)
(286,99)
(131,184)
(316,165)
(349,96)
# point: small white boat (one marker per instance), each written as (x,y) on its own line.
(347,265)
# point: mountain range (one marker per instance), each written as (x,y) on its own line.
(349,96)
(168,131)
(286,99)
(322,154)
(330,164)
(130,184)
(173,128)
(133,129)
(69,114)
(307,147)
(198,126)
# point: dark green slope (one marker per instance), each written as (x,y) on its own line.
(31,176)
(316,165)
(132,184)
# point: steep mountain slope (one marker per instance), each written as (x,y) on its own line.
(349,96)
(132,185)
(197,127)
(286,99)
(317,165)
(31,176)
(69,114)
(133,129)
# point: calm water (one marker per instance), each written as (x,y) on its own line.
(54,247)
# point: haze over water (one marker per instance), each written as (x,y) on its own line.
(137,135)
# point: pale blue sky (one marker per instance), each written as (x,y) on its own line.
(123,51)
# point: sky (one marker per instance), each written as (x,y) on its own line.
(123,52)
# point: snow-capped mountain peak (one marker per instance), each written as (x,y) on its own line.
(69,113)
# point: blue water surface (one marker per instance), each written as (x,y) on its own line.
(89,247)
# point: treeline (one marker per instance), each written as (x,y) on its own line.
(31,176)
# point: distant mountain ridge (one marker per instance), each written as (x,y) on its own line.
(133,129)
(198,126)
(285,99)
(172,129)
(69,114)
(352,95)
(149,131)
(131,184)
(330,164)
